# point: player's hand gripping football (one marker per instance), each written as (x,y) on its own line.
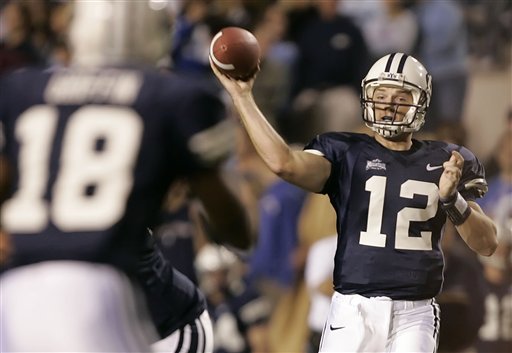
(234,87)
(451,175)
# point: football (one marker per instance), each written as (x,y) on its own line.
(235,52)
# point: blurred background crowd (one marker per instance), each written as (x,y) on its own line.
(314,55)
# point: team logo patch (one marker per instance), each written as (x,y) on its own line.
(375,164)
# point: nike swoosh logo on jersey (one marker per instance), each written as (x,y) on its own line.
(431,168)
(333,328)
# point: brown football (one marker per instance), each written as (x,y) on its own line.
(235,52)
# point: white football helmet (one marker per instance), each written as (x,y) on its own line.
(109,32)
(397,70)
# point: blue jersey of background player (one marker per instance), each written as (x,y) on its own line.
(177,307)
(392,195)
(113,140)
(91,152)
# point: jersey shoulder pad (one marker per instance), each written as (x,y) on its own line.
(334,145)
(472,183)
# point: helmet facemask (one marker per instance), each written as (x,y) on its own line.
(413,79)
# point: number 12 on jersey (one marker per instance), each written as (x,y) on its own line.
(376,185)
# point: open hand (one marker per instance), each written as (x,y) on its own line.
(451,175)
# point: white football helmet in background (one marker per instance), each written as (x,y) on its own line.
(397,70)
(109,32)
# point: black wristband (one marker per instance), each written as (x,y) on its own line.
(456,208)
(451,199)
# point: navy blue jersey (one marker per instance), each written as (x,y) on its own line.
(389,221)
(174,234)
(93,153)
(173,300)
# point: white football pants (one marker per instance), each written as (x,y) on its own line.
(71,306)
(379,324)
(196,337)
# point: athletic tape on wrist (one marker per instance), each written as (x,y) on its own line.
(456,208)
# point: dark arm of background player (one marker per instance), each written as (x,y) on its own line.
(227,217)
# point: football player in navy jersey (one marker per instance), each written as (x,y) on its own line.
(178,308)
(91,151)
(392,195)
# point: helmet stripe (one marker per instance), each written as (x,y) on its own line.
(390,61)
(402,63)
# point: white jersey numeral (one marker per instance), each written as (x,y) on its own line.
(498,318)
(27,211)
(376,185)
(82,166)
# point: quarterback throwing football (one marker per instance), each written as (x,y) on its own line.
(392,195)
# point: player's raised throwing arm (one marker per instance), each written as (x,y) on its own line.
(301,168)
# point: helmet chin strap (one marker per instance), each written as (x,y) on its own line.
(386,126)
(389,134)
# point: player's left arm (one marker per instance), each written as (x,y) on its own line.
(474,226)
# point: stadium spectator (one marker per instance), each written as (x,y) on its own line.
(17,48)
(394,30)
(195,26)
(220,275)
(319,221)
(489,27)
(318,276)
(462,296)
(444,51)
(271,274)
(500,185)
(272,90)
(496,334)
(332,58)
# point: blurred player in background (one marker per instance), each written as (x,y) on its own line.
(392,195)
(178,308)
(91,151)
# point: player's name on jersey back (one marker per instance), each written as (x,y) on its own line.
(111,86)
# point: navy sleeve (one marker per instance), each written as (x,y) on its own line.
(203,134)
(334,147)
(472,184)
(473,180)
(203,120)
